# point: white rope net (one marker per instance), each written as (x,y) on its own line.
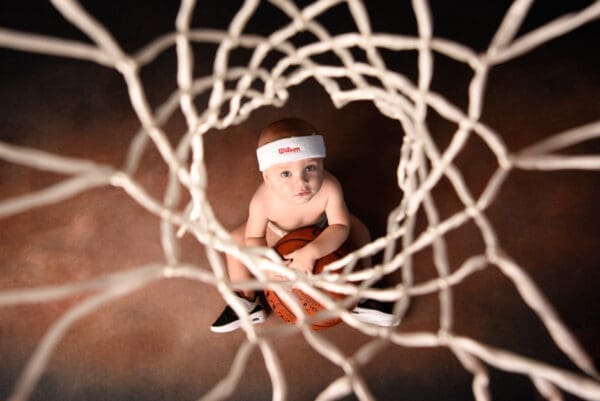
(234,93)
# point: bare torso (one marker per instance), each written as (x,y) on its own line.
(290,216)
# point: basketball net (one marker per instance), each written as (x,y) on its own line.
(420,169)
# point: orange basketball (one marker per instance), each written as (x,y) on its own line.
(288,244)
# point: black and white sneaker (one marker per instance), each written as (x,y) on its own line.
(229,320)
(377,313)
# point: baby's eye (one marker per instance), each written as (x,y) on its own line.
(285,174)
(310,168)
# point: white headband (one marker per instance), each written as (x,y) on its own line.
(290,150)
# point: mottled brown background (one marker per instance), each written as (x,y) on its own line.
(155,343)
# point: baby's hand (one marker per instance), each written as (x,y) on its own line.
(302,260)
(276,276)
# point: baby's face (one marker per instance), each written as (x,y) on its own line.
(296,182)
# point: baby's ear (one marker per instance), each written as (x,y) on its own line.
(265,176)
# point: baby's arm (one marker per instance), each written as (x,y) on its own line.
(332,237)
(256,226)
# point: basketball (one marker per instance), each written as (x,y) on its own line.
(287,244)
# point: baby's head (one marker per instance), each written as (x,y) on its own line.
(290,155)
(288,139)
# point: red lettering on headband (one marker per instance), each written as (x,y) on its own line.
(288,150)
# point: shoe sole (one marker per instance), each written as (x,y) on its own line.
(375,317)
(255,318)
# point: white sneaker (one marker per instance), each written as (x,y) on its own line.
(373,312)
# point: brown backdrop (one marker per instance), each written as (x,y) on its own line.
(155,344)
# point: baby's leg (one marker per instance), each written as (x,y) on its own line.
(359,236)
(229,320)
(369,310)
(236,269)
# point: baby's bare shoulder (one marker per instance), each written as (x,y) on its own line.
(259,199)
(330,182)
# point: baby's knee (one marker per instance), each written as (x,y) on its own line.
(239,234)
(359,233)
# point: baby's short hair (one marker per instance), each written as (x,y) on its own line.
(285,128)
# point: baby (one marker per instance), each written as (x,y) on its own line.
(296,192)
